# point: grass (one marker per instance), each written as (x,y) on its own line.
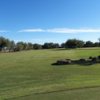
(29,75)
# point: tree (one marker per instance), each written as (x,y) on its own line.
(47,45)
(74,43)
(55,45)
(50,45)
(88,44)
(96,44)
(29,46)
(3,43)
(20,46)
(63,45)
(37,46)
(99,41)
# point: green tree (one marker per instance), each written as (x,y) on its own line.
(37,46)
(74,43)
(89,44)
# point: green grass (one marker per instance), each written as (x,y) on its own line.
(29,75)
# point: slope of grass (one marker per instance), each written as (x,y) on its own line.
(30,75)
(80,94)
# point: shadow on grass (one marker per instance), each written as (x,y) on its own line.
(61,49)
(78,62)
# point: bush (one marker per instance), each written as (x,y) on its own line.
(63,62)
(90,57)
(94,59)
(82,60)
(99,57)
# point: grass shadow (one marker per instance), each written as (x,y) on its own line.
(61,49)
(81,63)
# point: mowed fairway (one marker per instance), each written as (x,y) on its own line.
(29,75)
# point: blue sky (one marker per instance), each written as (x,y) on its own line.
(40,21)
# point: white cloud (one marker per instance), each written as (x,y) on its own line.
(62,30)
(67,30)
(32,30)
(3,31)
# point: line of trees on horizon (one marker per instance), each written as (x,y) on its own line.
(7,45)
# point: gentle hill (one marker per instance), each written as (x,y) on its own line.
(29,75)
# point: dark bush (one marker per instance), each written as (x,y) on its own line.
(63,62)
(99,57)
(68,61)
(90,57)
(82,60)
(94,59)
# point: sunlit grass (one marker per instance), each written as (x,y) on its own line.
(30,75)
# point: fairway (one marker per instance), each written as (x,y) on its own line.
(30,75)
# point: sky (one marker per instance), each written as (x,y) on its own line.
(40,21)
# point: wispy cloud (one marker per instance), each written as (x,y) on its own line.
(3,31)
(66,30)
(62,30)
(32,30)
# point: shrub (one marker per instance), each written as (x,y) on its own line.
(99,57)
(63,62)
(94,59)
(82,60)
(90,57)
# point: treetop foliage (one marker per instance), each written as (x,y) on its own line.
(6,44)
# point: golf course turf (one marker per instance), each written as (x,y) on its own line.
(30,75)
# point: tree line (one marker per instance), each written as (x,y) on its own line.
(7,45)
(76,43)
